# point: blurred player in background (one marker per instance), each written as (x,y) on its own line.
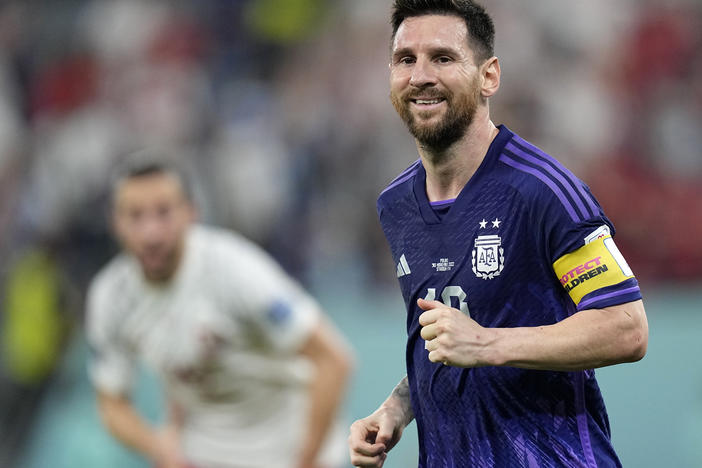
(514,287)
(253,372)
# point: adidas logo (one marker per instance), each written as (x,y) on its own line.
(403,267)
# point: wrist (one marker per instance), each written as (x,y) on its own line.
(163,447)
(398,411)
(306,462)
(155,451)
(493,349)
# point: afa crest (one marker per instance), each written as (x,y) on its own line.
(488,257)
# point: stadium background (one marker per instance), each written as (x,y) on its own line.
(279,108)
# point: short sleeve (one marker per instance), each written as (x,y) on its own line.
(596,275)
(579,241)
(110,364)
(258,290)
(286,320)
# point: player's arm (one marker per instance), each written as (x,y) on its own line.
(111,368)
(588,339)
(129,427)
(371,438)
(600,334)
(333,363)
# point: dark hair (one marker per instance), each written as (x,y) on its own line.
(147,162)
(481,30)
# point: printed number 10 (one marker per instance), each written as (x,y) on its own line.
(447,294)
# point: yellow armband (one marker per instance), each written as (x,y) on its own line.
(593,266)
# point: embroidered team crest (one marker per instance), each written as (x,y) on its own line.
(488,257)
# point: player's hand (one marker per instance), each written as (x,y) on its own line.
(452,337)
(372,437)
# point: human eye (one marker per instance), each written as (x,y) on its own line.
(135,215)
(406,60)
(403,56)
(164,212)
(443,59)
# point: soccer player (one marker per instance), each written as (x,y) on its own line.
(253,372)
(514,287)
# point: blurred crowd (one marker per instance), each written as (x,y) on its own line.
(279,111)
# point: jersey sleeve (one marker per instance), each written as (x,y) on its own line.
(581,248)
(111,366)
(258,290)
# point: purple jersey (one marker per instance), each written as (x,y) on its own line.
(524,244)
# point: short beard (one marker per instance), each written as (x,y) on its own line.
(449,130)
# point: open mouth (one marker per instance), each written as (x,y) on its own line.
(425,102)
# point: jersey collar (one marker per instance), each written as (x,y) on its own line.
(468,191)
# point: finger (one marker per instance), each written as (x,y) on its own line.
(431,345)
(363,446)
(428,305)
(368,462)
(438,355)
(365,449)
(364,443)
(363,461)
(429,317)
(429,332)
(386,434)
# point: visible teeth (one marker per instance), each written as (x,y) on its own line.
(425,101)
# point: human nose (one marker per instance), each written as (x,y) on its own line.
(151,229)
(422,74)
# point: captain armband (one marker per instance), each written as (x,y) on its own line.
(593,266)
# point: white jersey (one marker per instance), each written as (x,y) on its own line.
(223,334)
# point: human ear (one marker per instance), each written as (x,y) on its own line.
(491,77)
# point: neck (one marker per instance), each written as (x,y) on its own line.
(449,170)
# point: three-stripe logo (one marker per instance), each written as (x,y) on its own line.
(403,267)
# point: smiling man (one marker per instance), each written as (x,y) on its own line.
(514,287)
